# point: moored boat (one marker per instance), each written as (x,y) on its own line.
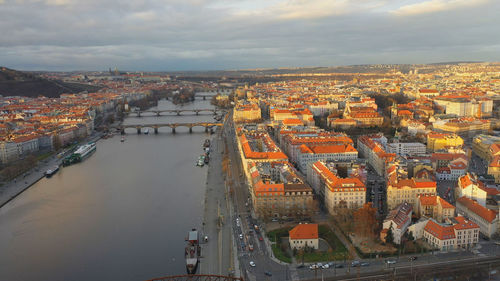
(192,251)
(51,171)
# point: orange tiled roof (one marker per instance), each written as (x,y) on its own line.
(304,231)
(483,212)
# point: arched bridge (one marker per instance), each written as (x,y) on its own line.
(197,111)
(204,96)
(173,126)
(198,277)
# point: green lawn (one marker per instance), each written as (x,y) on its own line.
(326,233)
(279,254)
(338,250)
(275,236)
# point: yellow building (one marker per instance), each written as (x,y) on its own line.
(408,190)
(481,145)
(438,141)
(246,112)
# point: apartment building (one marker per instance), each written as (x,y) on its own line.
(487,219)
(434,207)
(336,191)
(457,233)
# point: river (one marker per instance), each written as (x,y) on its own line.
(123,213)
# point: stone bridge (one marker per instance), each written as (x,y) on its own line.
(197,111)
(173,126)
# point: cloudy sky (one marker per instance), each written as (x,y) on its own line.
(240,34)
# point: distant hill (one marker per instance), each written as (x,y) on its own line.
(17,83)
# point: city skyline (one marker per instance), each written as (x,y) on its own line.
(63,35)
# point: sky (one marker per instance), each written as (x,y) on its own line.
(172,35)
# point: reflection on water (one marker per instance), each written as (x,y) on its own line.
(121,214)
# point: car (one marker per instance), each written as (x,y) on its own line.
(313,266)
(241,236)
(274,220)
(355,263)
(319,264)
(300,266)
(260,238)
(267,273)
(412,258)
(252,264)
(365,264)
(326,266)
(390,261)
(331,264)
(206,238)
(339,265)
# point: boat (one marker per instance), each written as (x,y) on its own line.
(207,143)
(192,251)
(51,171)
(146,131)
(80,154)
(207,159)
(201,162)
(123,139)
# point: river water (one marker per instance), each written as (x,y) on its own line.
(123,213)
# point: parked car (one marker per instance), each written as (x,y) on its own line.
(252,264)
(260,238)
(390,261)
(241,236)
(355,263)
(313,266)
(326,266)
(339,265)
(412,258)
(300,266)
(267,273)
(365,264)
(274,220)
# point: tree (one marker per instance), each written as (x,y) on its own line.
(389,238)
(365,221)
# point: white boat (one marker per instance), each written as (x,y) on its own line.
(123,139)
(146,131)
(84,150)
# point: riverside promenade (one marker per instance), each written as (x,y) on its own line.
(218,252)
(15,187)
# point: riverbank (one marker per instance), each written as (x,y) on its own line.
(218,251)
(10,190)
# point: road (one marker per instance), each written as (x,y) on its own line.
(217,252)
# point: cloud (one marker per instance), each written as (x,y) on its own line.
(433,6)
(218,34)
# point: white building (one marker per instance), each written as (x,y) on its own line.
(406,148)
(304,235)
(457,233)
(486,219)
(398,220)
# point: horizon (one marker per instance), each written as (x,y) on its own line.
(257,68)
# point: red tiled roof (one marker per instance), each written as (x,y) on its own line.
(304,231)
(473,206)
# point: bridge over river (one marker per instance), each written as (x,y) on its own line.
(173,126)
(197,111)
